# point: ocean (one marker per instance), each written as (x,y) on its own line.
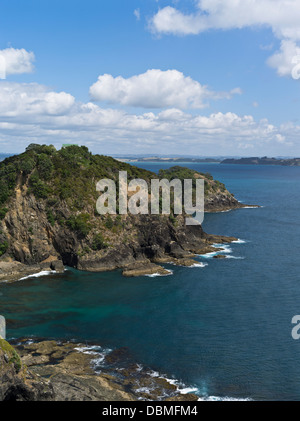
(222,328)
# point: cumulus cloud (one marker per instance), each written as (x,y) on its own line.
(281,15)
(31,113)
(286,60)
(21,100)
(14,61)
(155,89)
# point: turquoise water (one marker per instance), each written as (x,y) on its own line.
(224,328)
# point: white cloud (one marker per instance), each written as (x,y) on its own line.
(32,113)
(137,14)
(282,16)
(14,61)
(286,59)
(17,100)
(267,47)
(156,89)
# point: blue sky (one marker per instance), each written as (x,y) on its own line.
(184,77)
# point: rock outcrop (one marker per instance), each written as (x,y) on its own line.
(52,371)
(49,220)
(17,383)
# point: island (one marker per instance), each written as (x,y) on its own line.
(168,159)
(48,218)
(290,162)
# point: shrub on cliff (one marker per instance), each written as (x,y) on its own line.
(99,242)
(39,188)
(3,248)
(80,224)
(3,212)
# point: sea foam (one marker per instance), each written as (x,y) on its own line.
(39,274)
(154,275)
(239,241)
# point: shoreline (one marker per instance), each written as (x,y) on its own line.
(13,271)
(88,372)
(78,371)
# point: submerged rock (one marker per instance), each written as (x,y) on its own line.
(146,269)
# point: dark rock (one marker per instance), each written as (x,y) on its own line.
(58,266)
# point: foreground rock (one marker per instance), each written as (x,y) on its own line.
(64,372)
(11,270)
(17,383)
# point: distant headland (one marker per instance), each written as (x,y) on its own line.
(289,162)
(167,159)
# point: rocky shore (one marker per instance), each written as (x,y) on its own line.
(12,270)
(56,371)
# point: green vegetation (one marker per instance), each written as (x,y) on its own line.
(80,224)
(109,223)
(45,166)
(172,219)
(50,217)
(11,355)
(3,248)
(27,165)
(3,212)
(181,173)
(39,188)
(64,182)
(99,242)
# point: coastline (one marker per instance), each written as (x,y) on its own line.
(13,271)
(74,371)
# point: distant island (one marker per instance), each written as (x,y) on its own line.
(289,162)
(168,159)
(4,155)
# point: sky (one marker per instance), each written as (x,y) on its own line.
(184,77)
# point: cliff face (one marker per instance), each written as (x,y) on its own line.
(48,216)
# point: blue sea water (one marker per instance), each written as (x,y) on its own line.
(224,328)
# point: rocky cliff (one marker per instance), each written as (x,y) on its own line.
(48,217)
